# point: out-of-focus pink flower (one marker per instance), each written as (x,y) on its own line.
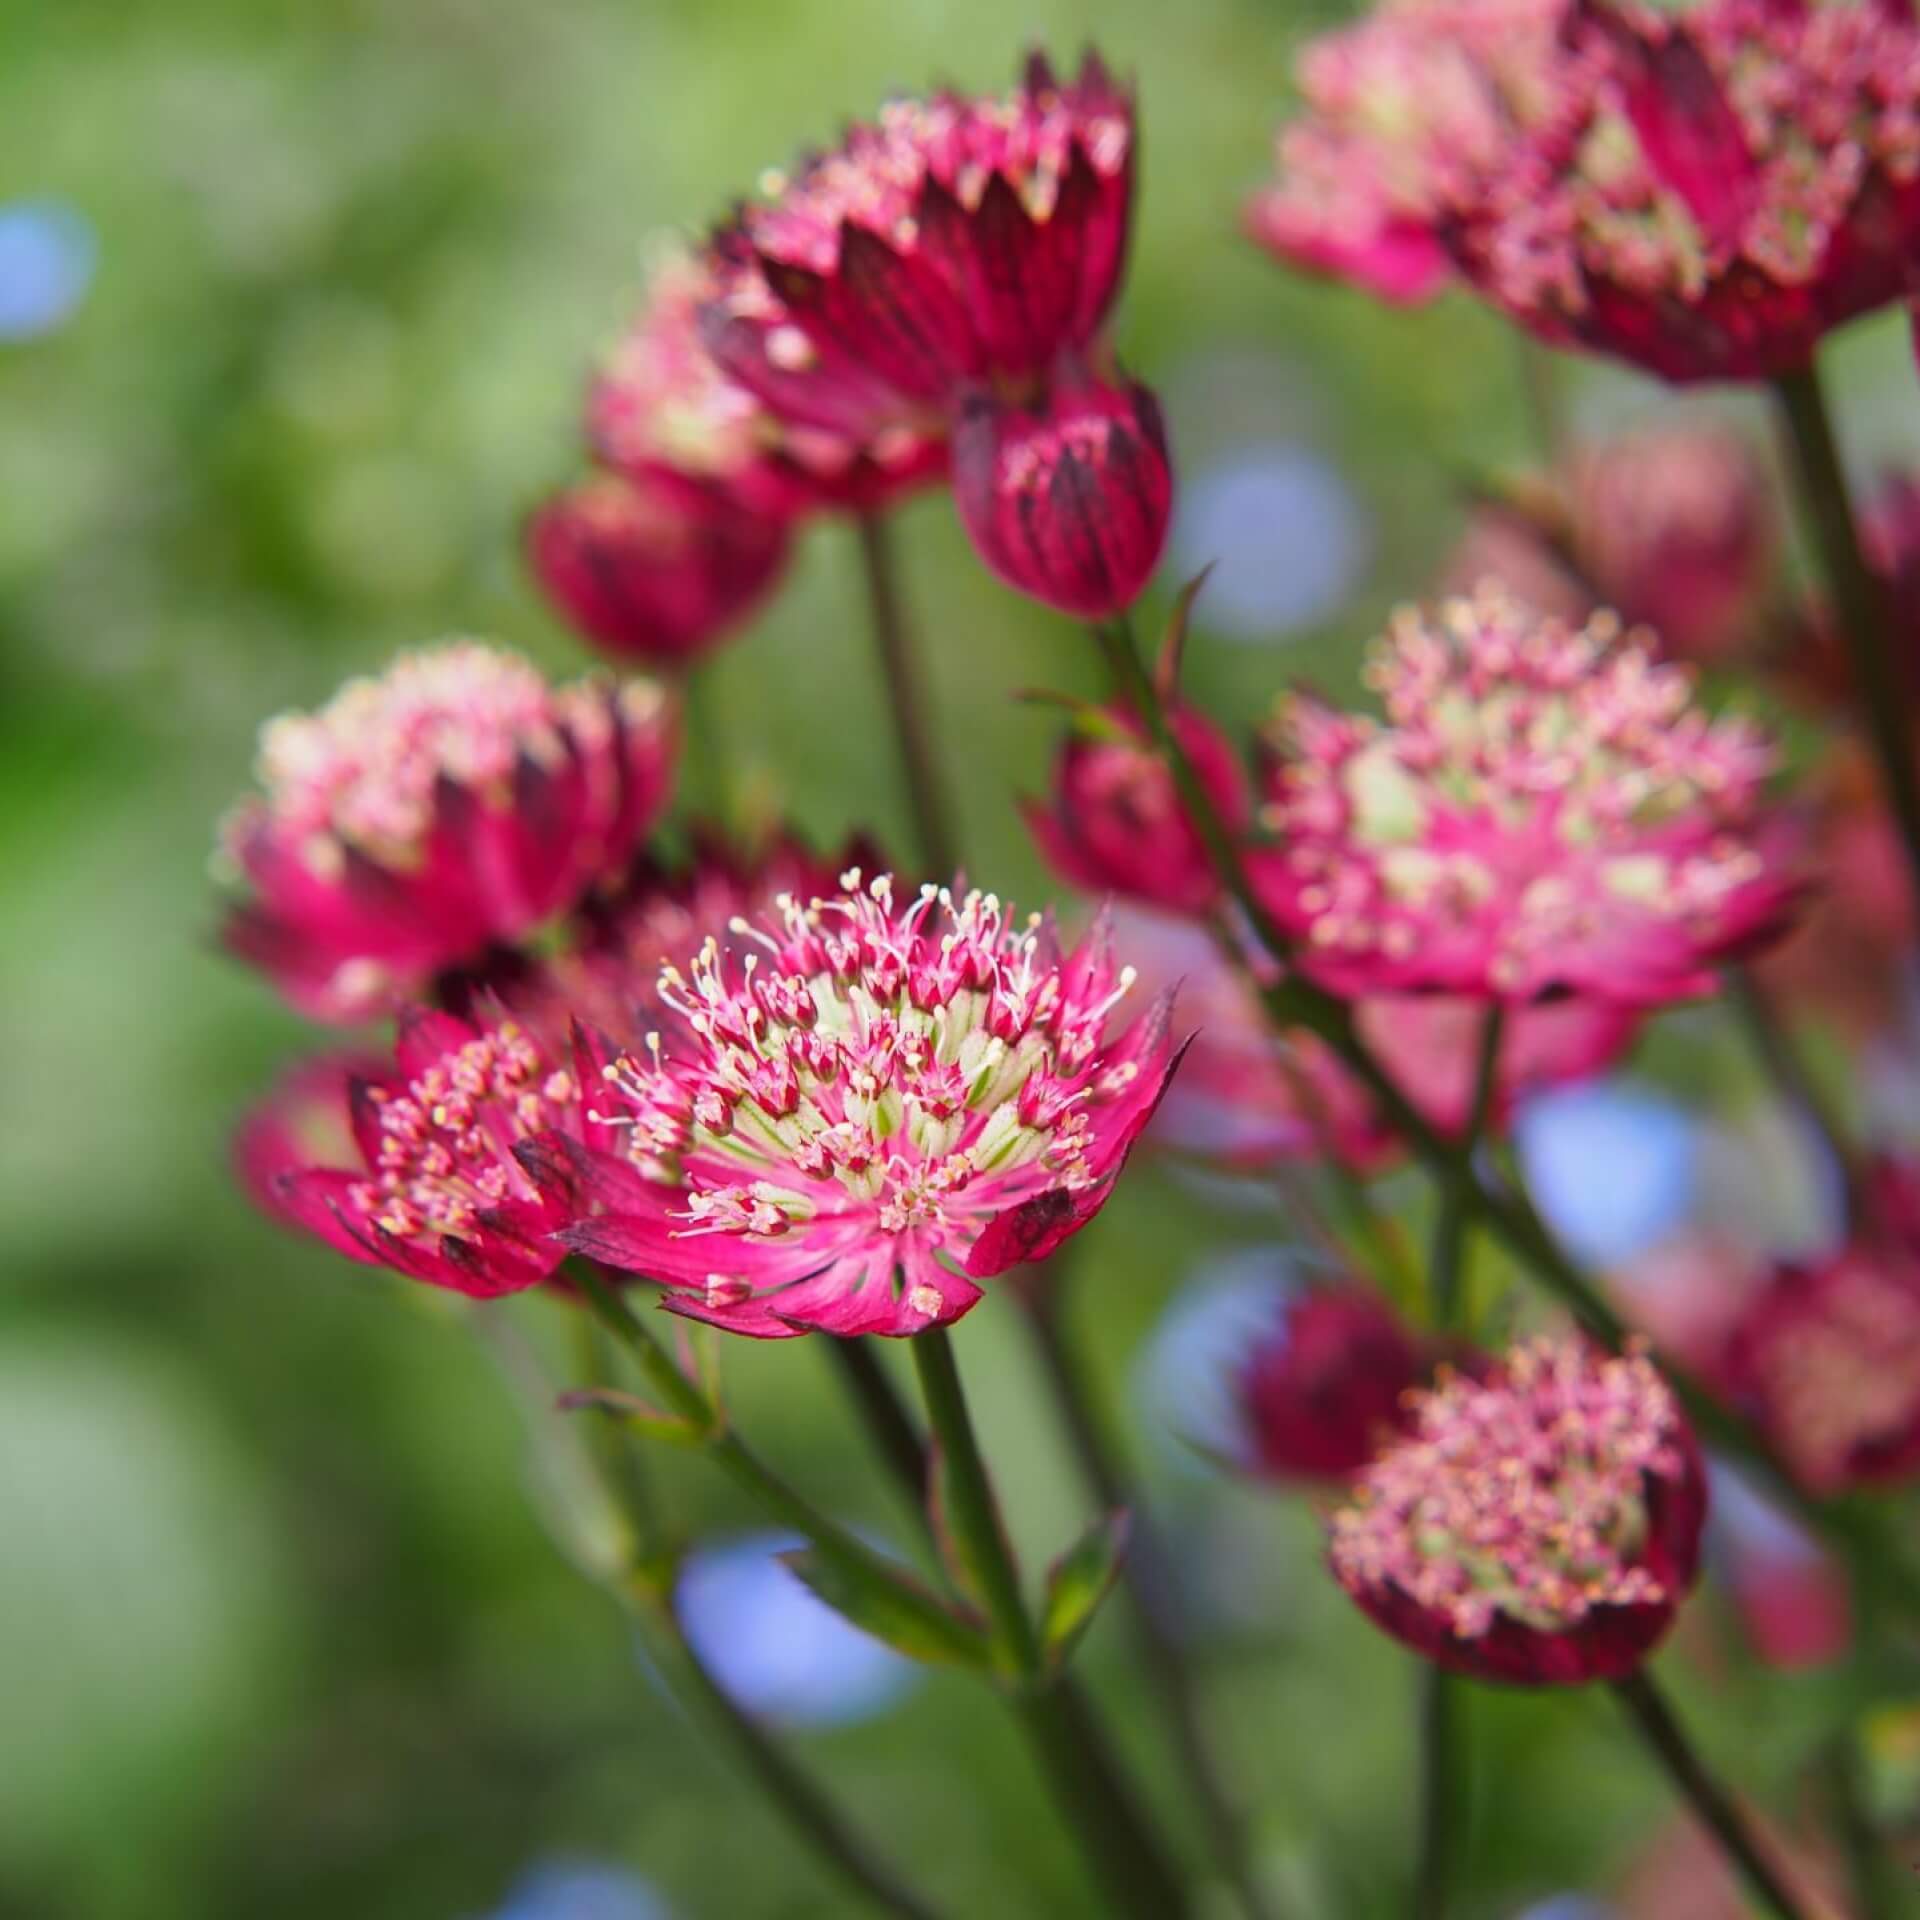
(1792,1596)
(1670,526)
(651,571)
(1539,1526)
(456,802)
(1322,1390)
(1543,811)
(867,1106)
(1067,500)
(1116,825)
(1247,1098)
(1702,192)
(412,1167)
(951,242)
(1826,1361)
(661,407)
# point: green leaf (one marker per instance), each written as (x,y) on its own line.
(1079,1580)
(1173,643)
(635,1413)
(891,1606)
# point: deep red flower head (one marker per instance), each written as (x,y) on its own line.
(662,406)
(1543,811)
(867,1105)
(1116,825)
(1247,1097)
(1539,1526)
(412,1167)
(1326,1386)
(651,571)
(1826,1360)
(953,241)
(455,802)
(1702,192)
(1067,500)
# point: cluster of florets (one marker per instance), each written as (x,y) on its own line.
(456,801)
(1703,192)
(1544,808)
(865,1101)
(1540,1523)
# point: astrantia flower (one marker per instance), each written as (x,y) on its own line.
(1116,825)
(1669,525)
(1544,810)
(867,1106)
(1538,1526)
(650,571)
(1326,1385)
(1703,192)
(951,242)
(1827,1362)
(1067,500)
(661,406)
(419,818)
(1248,1097)
(412,1168)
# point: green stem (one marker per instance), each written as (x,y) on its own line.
(1654,1721)
(1151,1597)
(1439,1748)
(889,1427)
(1071,1749)
(1506,1210)
(1876,1891)
(1444,1274)
(906,700)
(1859,598)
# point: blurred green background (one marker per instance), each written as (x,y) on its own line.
(281,1630)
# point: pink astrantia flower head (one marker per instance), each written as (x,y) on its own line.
(951,242)
(1827,1362)
(868,1105)
(661,406)
(1539,1526)
(412,1167)
(1544,810)
(1321,1391)
(1115,824)
(652,572)
(417,819)
(1703,191)
(1067,500)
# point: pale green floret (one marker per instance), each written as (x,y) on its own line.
(1642,877)
(1004,1143)
(1387,801)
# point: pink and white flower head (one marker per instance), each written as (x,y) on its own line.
(950,243)
(654,573)
(1702,192)
(412,1167)
(1115,824)
(1320,1392)
(661,407)
(418,819)
(1826,1361)
(869,1105)
(1544,811)
(1538,1526)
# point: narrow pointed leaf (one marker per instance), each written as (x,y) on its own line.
(633,1412)
(1079,1581)
(955,1555)
(894,1609)
(1173,644)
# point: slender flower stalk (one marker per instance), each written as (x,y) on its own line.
(1858,596)
(1653,1719)
(644,1582)
(1870,1873)
(901,670)
(1150,1589)
(1506,1209)
(1119,1847)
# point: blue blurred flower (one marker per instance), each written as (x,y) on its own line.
(1570,1906)
(1611,1165)
(1285,537)
(581,1890)
(47,253)
(776,1650)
